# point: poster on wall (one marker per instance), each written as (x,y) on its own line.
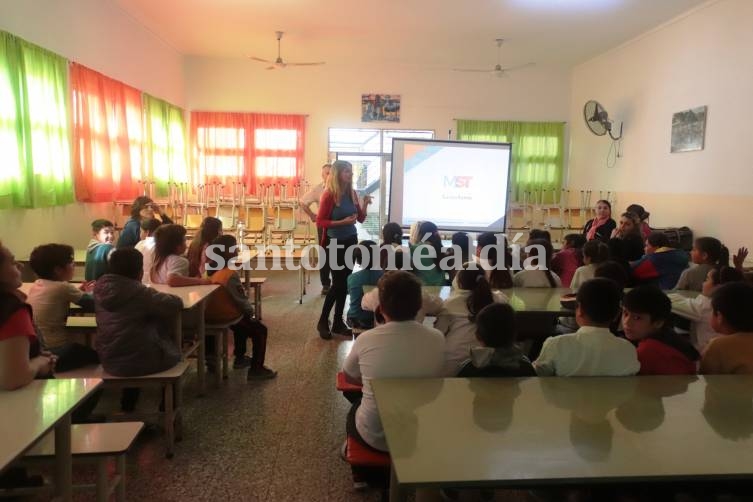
(380,108)
(689,130)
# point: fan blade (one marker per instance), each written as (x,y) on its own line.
(306,64)
(519,67)
(473,70)
(260,60)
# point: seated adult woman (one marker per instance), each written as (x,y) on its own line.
(142,208)
(626,244)
(642,215)
(602,226)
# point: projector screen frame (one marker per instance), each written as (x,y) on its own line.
(458,142)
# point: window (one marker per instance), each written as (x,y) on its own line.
(34,130)
(164,144)
(370,152)
(246,147)
(107,137)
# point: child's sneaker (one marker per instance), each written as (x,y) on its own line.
(241,363)
(262,373)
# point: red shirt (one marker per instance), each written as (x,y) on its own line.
(18,324)
(564,264)
(658,358)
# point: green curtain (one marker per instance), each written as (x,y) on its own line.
(537,153)
(165,158)
(34,126)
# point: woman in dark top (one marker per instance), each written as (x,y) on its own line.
(602,226)
(142,208)
(499,357)
(626,244)
(339,209)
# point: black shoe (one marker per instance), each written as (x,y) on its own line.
(340,328)
(323,328)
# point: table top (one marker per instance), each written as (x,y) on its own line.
(550,430)
(79,257)
(190,295)
(33,410)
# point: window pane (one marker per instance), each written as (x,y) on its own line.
(405,133)
(221,165)
(354,140)
(221,137)
(280,167)
(275,139)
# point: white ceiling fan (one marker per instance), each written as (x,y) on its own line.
(279,64)
(498,70)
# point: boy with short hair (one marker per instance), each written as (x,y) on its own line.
(99,249)
(146,245)
(399,348)
(498,356)
(592,350)
(50,297)
(132,320)
(646,314)
(662,264)
(732,316)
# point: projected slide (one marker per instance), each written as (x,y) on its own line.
(457,185)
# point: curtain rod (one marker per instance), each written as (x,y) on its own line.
(488,120)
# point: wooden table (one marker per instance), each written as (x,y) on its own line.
(557,431)
(193,297)
(34,410)
(284,259)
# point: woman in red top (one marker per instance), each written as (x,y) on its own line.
(645,318)
(339,209)
(21,359)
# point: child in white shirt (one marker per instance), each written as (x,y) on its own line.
(540,256)
(146,245)
(594,253)
(592,350)
(170,266)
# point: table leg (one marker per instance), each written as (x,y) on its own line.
(169,420)
(120,469)
(201,355)
(397,493)
(218,356)
(63,459)
(102,485)
(246,278)
(301,284)
(179,334)
(257,300)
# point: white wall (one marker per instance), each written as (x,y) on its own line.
(97,34)
(700,58)
(331,95)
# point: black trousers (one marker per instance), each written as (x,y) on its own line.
(324,272)
(339,289)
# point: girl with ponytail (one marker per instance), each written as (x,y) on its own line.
(707,253)
(457,317)
(542,276)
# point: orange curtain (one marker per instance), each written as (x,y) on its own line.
(107,137)
(247,148)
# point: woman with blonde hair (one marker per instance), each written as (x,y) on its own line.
(339,209)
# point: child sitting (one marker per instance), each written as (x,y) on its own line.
(134,322)
(99,249)
(169,266)
(661,265)
(399,348)
(230,302)
(21,356)
(457,318)
(732,317)
(595,252)
(369,274)
(567,261)
(146,245)
(498,356)
(592,350)
(50,297)
(495,259)
(210,229)
(698,310)
(706,254)
(646,314)
(461,253)
(427,256)
(541,276)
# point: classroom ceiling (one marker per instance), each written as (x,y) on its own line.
(430,33)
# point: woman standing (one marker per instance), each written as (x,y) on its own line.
(339,209)
(143,208)
(602,226)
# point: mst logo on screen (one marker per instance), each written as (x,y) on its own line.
(457,181)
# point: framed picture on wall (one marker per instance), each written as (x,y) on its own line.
(689,130)
(380,108)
